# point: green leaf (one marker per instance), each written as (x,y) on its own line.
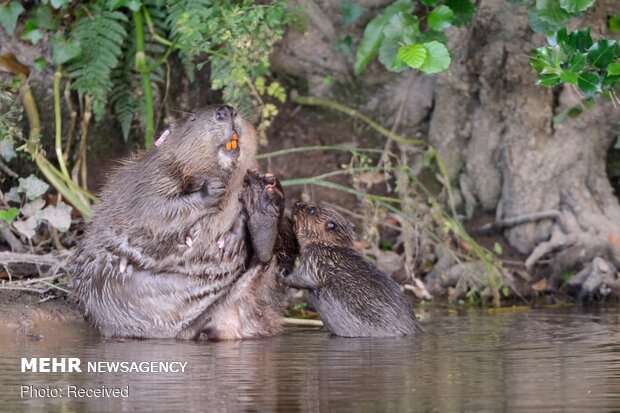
(388,56)
(402,27)
(9,215)
(547,59)
(414,56)
(580,40)
(550,11)
(350,12)
(31,32)
(589,83)
(549,80)
(577,62)
(569,77)
(45,19)
(430,2)
(438,58)
(373,34)
(576,6)
(40,63)
(344,45)
(538,25)
(614,69)
(611,80)
(497,248)
(9,13)
(571,112)
(602,53)
(440,18)
(614,23)
(63,50)
(134,5)
(463,10)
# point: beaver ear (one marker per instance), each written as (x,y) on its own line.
(162,137)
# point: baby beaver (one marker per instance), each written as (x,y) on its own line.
(352,297)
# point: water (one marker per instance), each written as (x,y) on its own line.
(554,360)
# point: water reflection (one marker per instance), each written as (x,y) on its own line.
(536,360)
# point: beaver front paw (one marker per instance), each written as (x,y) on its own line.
(231,243)
(263,198)
(212,191)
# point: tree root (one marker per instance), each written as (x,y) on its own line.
(514,221)
(587,242)
(598,277)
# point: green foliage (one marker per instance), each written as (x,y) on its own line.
(10,130)
(405,40)
(8,215)
(96,45)
(9,13)
(350,12)
(373,33)
(237,37)
(613,23)
(575,59)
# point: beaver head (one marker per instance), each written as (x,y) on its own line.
(212,139)
(315,224)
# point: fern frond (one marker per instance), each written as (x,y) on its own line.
(188,23)
(127,82)
(101,35)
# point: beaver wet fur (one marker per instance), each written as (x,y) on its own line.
(169,253)
(352,297)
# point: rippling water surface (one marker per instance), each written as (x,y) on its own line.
(557,360)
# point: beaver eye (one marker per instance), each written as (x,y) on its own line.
(330,226)
(311,211)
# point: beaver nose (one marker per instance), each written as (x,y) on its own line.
(224,113)
(298,206)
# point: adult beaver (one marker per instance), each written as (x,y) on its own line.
(353,298)
(169,252)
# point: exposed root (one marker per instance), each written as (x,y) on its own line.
(598,277)
(514,221)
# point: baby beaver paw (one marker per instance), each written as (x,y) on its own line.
(263,198)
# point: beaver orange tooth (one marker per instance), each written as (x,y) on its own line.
(234,144)
(228,145)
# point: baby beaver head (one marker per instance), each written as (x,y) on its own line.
(214,137)
(315,224)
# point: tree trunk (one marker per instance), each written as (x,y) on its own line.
(495,128)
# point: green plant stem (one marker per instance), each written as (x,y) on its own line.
(312,101)
(52,174)
(58,121)
(151,27)
(317,181)
(141,67)
(317,148)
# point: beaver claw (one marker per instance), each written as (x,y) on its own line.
(263,198)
